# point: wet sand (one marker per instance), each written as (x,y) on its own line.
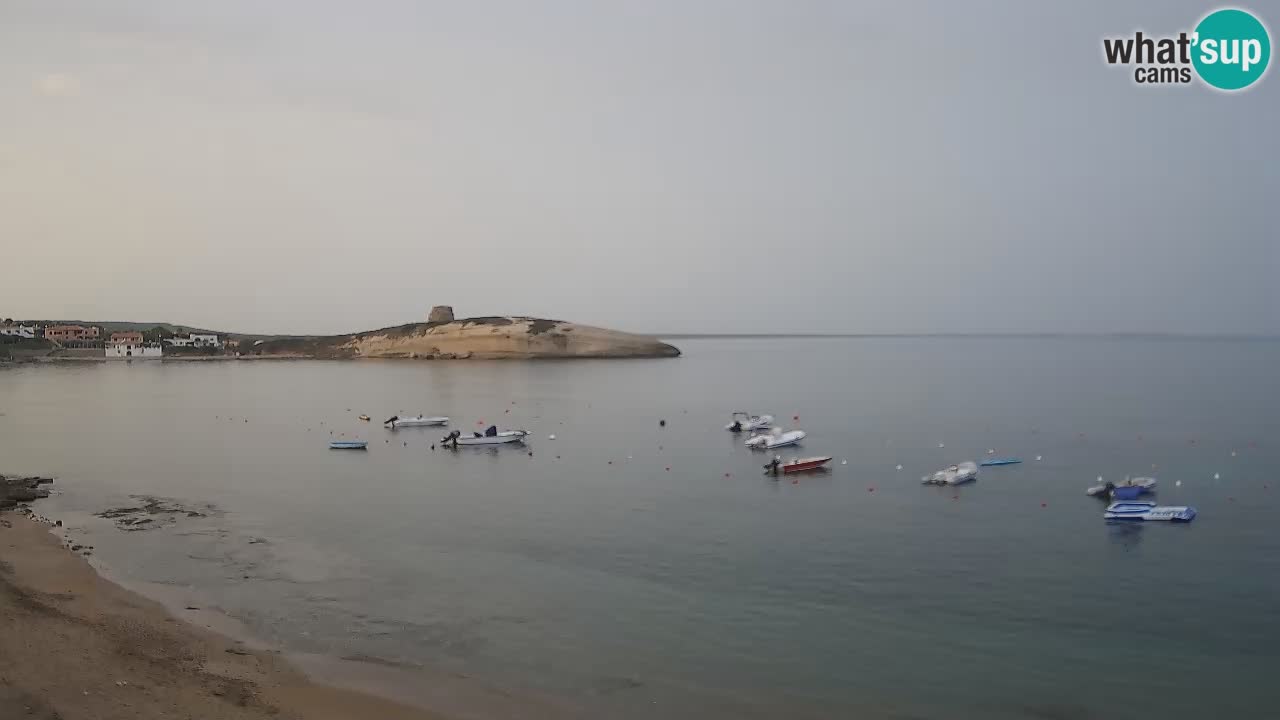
(76,646)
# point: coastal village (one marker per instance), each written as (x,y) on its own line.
(94,341)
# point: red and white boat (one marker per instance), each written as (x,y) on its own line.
(795,465)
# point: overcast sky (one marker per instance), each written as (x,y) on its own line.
(655,165)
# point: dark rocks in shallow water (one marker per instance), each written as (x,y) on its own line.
(152,512)
(14,490)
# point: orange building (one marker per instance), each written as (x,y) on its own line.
(71,333)
(126,338)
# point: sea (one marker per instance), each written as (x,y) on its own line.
(632,560)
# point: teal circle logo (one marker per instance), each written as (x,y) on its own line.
(1232,49)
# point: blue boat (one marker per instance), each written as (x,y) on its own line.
(348,445)
(1127,492)
(1000,461)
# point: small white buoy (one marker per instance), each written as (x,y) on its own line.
(628,457)
(1099,478)
(844,462)
(552,436)
(1233,453)
(941,445)
(1039,457)
(899,467)
(1178,483)
(991,451)
(1216,476)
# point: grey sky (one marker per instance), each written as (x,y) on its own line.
(666,165)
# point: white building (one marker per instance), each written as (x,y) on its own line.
(22,331)
(195,340)
(134,351)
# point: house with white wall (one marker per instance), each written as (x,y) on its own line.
(130,350)
(195,340)
(26,332)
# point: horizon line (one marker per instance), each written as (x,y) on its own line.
(798,335)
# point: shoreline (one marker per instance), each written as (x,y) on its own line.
(77,644)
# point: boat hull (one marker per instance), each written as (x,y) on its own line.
(1127,490)
(752,423)
(769,442)
(804,465)
(349,445)
(418,422)
(499,439)
(1148,511)
(965,472)
(994,462)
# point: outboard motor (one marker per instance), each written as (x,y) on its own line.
(391,420)
(451,439)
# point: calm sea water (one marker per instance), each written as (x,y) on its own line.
(645,571)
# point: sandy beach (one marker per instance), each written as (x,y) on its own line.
(76,646)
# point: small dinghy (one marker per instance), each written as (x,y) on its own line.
(796,465)
(746,422)
(1128,489)
(365,418)
(775,438)
(954,475)
(1149,511)
(394,421)
(992,462)
(348,445)
(491,436)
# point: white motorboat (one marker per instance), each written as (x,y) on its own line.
(746,422)
(1140,486)
(1131,510)
(395,421)
(954,475)
(775,438)
(489,437)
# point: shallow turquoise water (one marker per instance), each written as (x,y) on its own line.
(591,572)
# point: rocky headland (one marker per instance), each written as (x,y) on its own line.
(501,337)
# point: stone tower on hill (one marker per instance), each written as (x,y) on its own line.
(441,314)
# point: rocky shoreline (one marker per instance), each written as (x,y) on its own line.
(15,489)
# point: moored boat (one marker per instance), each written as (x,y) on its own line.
(489,437)
(954,475)
(1127,489)
(775,438)
(348,444)
(1131,510)
(746,422)
(992,462)
(394,421)
(796,465)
